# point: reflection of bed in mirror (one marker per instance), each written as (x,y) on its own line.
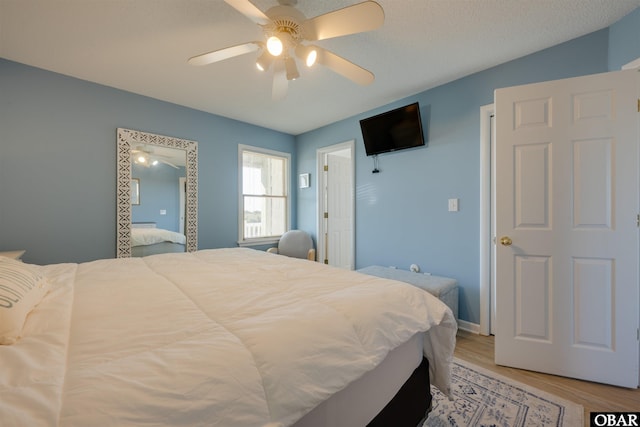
(148,239)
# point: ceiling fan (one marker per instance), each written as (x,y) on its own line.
(286,33)
(146,157)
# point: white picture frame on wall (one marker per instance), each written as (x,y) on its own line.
(303,180)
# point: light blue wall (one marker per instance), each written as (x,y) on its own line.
(159,191)
(401,212)
(58,175)
(624,40)
(58,163)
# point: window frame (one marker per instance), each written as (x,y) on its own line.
(287,194)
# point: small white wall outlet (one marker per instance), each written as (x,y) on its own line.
(453,205)
(163,211)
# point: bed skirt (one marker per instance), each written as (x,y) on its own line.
(411,405)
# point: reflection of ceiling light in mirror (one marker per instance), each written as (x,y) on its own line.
(158,157)
(145,160)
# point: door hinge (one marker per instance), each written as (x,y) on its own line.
(326,167)
(638,220)
(326,215)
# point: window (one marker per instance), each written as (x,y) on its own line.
(264,194)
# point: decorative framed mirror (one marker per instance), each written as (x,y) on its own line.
(145,146)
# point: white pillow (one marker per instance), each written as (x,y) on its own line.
(21,289)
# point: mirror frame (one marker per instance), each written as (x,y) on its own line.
(128,139)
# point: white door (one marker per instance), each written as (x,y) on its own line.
(336,205)
(567,227)
(339,210)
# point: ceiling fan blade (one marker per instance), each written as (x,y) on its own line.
(222,54)
(361,17)
(280,82)
(249,10)
(168,164)
(344,67)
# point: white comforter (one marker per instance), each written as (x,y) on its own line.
(149,236)
(231,337)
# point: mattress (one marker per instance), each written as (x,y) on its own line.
(370,393)
(156,248)
(225,337)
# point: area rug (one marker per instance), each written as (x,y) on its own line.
(484,398)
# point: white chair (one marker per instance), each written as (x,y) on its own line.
(296,244)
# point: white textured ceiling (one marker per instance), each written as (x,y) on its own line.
(142,46)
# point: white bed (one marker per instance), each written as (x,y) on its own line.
(147,239)
(225,337)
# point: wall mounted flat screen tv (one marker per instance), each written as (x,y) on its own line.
(394,130)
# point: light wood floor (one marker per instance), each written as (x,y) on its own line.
(593,397)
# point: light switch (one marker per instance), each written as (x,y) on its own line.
(163,211)
(453,205)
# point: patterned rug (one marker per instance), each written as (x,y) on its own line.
(484,398)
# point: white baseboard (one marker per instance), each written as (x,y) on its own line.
(474,328)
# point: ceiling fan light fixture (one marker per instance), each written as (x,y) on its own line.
(291,68)
(275,46)
(286,29)
(312,57)
(308,54)
(264,61)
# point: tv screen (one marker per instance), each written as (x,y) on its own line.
(394,130)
